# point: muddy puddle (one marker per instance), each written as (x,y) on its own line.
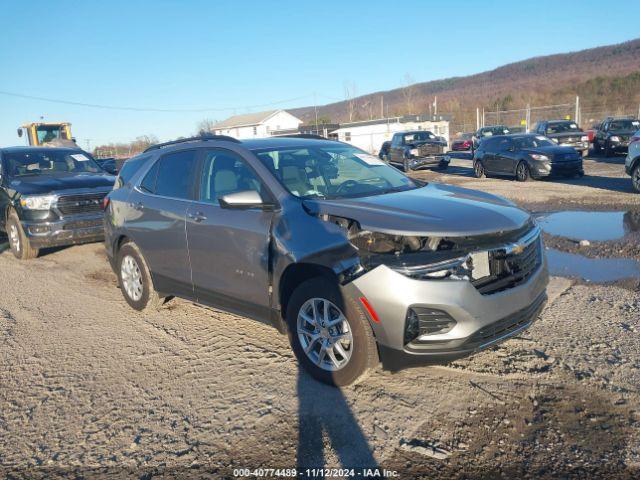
(597,270)
(592,226)
(594,246)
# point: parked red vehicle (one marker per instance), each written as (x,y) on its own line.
(591,133)
(463,143)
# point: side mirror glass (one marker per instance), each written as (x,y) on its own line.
(20,132)
(243,200)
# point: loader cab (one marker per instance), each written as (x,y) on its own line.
(39,134)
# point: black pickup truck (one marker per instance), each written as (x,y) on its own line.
(50,197)
(415,149)
(614,134)
(565,133)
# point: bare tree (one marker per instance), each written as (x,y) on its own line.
(205,125)
(350,97)
(409,94)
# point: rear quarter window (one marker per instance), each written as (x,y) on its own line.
(129,169)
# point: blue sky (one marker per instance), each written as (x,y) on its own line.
(237,54)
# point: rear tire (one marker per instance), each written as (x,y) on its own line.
(18,241)
(478,169)
(522,172)
(360,346)
(135,279)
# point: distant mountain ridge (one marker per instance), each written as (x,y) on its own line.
(606,78)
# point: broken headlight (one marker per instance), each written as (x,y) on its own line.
(457,267)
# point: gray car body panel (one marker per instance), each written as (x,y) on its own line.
(243,275)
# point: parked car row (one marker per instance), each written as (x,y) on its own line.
(352,259)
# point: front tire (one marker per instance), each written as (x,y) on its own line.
(478,169)
(135,279)
(522,172)
(635,178)
(18,241)
(329,334)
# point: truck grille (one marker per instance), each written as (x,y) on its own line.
(429,149)
(82,203)
(510,269)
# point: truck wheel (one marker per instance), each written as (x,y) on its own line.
(18,241)
(329,333)
(635,178)
(596,146)
(478,169)
(135,279)
(522,172)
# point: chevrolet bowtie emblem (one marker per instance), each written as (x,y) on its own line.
(517,248)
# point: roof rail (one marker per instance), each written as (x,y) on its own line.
(302,135)
(203,137)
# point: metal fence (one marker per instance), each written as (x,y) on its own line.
(584,115)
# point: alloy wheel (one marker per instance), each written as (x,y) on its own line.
(521,171)
(131,278)
(324,334)
(635,178)
(478,169)
(14,237)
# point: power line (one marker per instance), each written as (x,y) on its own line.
(140,109)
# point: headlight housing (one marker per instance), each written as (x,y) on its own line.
(37,202)
(454,267)
(614,138)
(540,158)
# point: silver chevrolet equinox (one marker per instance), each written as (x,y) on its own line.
(352,259)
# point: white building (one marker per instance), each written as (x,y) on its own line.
(257,125)
(370,134)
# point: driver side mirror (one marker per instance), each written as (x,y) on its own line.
(20,132)
(244,200)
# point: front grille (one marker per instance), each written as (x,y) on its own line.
(82,203)
(80,224)
(569,140)
(508,269)
(508,325)
(430,149)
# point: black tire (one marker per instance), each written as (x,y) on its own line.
(607,150)
(596,146)
(522,172)
(364,355)
(18,241)
(635,178)
(478,169)
(149,299)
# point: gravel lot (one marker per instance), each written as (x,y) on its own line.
(89,387)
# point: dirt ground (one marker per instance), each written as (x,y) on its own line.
(90,388)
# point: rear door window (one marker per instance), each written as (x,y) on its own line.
(173,175)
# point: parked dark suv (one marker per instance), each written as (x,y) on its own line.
(524,157)
(614,134)
(50,197)
(328,243)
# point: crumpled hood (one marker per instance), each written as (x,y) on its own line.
(45,184)
(434,210)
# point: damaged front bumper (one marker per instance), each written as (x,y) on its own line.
(476,320)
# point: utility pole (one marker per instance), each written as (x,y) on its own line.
(315,106)
(477,118)
(435,106)
(577,115)
(381,106)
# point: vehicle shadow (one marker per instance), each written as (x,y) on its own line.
(326,420)
(614,184)
(600,158)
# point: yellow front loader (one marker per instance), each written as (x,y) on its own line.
(48,134)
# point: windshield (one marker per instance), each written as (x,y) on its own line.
(418,137)
(533,141)
(48,133)
(332,171)
(562,127)
(624,125)
(50,162)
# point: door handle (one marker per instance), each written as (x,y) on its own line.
(197,217)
